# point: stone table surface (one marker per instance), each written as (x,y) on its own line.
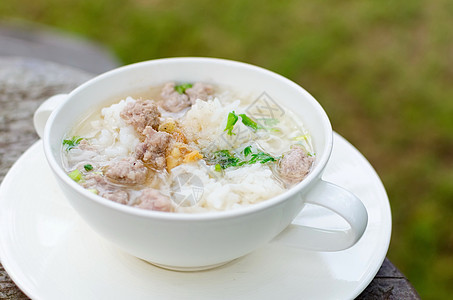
(45,43)
(25,83)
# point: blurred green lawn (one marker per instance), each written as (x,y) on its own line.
(382,70)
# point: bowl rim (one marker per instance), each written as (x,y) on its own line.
(311,178)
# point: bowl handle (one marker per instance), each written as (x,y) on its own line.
(338,200)
(44,110)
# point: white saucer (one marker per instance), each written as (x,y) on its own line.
(50,252)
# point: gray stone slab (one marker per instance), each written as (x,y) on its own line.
(37,41)
(24,85)
(389,284)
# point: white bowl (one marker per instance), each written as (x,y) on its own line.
(199,241)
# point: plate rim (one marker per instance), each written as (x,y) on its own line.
(13,269)
(388,233)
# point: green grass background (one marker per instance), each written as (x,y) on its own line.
(383,70)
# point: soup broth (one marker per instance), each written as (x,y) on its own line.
(188,148)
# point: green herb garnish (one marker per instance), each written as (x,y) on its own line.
(75,175)
(248,122)
(181,88)
(73,142)
(224,159)
(232,119)
(88,167)
(261,157)
(247,151)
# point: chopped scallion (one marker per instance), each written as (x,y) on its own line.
(232,119)
(260,157)
(73,142)
(301,137)
(247,151)
(223,159)
(75,175)
(181,88)
(248,122)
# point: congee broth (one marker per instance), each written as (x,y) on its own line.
(188,147)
